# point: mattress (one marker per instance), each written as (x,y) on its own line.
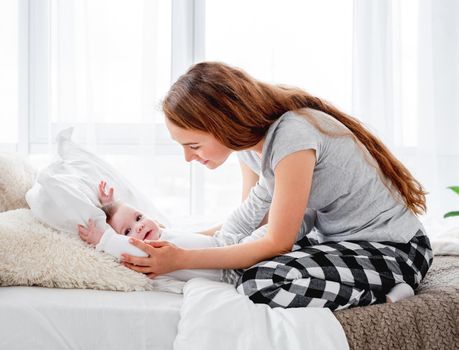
(42,318)
(47,318)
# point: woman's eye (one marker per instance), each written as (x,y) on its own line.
(194,147)
(127,231)
(139,217)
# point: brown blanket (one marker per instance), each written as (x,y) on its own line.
(429,320)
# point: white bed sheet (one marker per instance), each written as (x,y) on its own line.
(47,318)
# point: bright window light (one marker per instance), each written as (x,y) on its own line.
(282,42)
(111,60)
(409,71)
(304,43)
(9,71)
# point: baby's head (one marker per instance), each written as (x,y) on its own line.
(128,221)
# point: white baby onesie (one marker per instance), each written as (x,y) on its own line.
(116,244)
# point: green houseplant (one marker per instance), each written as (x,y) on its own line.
(452,213)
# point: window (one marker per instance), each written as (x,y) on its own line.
(278,42)
(107,66)
(408,12)
(9,73)
(110,64)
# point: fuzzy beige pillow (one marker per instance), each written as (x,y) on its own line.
(16,178)
(33,254)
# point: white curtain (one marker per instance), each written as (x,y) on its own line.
(406,87)
(107,70)
(110,64)
(405,77)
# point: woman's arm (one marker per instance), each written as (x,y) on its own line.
(253,211)
(249,180)
(247,217)
(293,178)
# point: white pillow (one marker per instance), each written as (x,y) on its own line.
(65,193)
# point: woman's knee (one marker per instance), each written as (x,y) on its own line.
(266,278)
(254,279)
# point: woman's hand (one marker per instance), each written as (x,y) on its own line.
(104,197)
(90,235)
(163,257)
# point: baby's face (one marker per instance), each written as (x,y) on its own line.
(128,221)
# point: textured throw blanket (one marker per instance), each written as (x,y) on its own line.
(429,320)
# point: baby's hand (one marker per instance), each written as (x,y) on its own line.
(90,235)
(105,198)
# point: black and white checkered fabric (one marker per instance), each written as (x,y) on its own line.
(336,275)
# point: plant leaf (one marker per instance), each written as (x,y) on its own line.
(451,213)
(454,188)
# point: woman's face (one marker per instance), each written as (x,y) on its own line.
(200,146)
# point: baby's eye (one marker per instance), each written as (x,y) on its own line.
(127,231)
(194,147)
(139,217)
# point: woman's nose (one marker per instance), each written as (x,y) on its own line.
(188,155)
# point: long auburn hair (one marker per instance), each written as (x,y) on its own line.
(238,110)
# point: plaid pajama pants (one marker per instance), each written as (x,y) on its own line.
(336,275)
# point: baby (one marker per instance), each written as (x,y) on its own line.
(125,221)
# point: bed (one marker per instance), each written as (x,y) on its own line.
(75,318)
(52,318)
(42,318)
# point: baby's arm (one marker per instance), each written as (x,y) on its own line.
(90,235)
(114,244)
(104,197)
(108,241)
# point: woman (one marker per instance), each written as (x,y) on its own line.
(305,165)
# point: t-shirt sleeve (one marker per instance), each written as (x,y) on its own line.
(249,159)
(293,136)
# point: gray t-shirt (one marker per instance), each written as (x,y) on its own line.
(348,199)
